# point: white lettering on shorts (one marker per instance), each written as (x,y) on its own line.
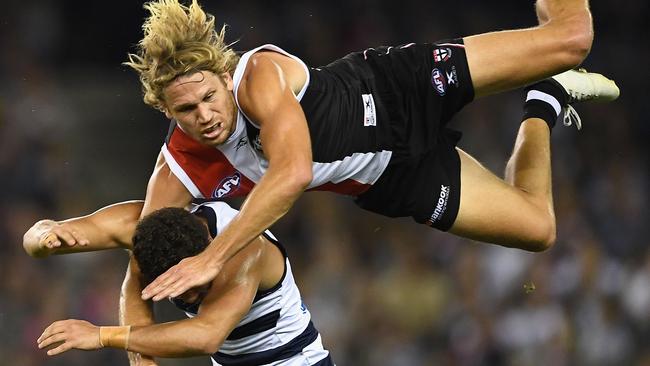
(441,205)
(452,77)
(438,81)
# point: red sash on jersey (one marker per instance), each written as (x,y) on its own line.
(207,167)
(215,177)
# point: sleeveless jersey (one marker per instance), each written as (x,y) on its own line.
(348,125)
(277,329)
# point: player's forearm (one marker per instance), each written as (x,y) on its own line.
(271,199)
(220,311)
(107,228)
(183,338)
(134,310)
(267,98)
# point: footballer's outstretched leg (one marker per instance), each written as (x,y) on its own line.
(518,211)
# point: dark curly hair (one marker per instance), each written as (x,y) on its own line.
(164,237)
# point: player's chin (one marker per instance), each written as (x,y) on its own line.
(204,140)
(213,142)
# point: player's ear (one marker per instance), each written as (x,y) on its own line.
(227,80)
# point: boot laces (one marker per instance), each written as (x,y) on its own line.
(571,117)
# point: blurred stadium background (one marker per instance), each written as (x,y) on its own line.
(75,135)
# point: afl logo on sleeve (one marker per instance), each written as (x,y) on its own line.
(438,81)
(227,186)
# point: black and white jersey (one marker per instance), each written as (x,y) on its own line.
(378,126)
(278,329)
(349,134)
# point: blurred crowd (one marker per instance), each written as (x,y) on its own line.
(75,135)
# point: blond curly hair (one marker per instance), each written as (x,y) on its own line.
(178,40)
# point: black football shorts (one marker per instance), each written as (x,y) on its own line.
(422,86)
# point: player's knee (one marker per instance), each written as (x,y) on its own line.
(543,243)
(544,235)
(579,46)
(577,37)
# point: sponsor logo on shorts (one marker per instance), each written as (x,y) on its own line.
(452,77)
(227,186)
(441,54)
(441,205)
(369,112)
(438,82)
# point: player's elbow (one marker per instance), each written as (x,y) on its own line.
(299,176)
(207,336)
(304,177)
(199,347)
(208,348)
(210,344)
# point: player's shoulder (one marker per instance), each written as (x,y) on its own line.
(265,52)
(268,59)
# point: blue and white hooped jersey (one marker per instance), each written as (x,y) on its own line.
(277,330)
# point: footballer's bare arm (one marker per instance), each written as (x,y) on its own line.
(107,228)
